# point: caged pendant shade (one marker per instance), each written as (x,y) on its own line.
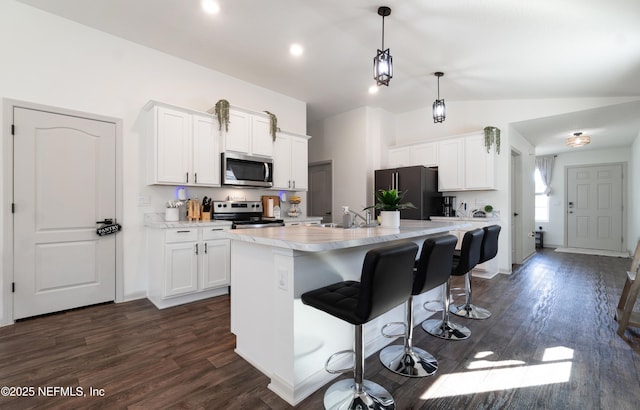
(439,109)
(383,62)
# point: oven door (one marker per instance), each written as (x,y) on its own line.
(245,170)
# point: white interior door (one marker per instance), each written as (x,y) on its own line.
(594,202)
(64,182)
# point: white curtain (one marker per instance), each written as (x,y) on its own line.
(544,165)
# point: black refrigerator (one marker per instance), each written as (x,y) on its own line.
(421,186)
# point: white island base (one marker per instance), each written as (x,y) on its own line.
(286,340)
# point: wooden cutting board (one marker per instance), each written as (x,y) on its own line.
(265,201)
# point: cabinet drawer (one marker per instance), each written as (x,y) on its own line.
(214,232)
(181,235)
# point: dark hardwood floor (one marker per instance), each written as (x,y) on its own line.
(551,343)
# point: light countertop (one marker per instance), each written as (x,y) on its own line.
(311,238)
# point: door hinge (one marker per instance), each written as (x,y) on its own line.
(13,208)
(13,129)
(13,287)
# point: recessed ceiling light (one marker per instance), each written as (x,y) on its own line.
(296,49)
(373,89)
(210,6)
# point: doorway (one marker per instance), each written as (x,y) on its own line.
(320,191)
(64,183)
(595,207)
(516,207)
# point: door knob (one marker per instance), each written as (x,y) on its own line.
(106,221)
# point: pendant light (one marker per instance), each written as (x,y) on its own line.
(578,140)
(382,62)
(439,110)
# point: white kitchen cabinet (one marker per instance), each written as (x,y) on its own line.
(187,264)
(248,133)
(183,147)
(479,166)
(420,154)
(291,161)
(465,165)
(216,266)
(451,165)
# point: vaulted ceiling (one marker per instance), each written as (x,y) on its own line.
(488,49)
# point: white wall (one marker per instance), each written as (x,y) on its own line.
(52,61)
(355,142)
(554,230)
(634,195)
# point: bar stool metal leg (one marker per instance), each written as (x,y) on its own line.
(406,359)
(444,328)
(356,393)
(468,309)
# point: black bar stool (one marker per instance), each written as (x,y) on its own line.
(385,282)
(462,265)
(433,269)
(469,254)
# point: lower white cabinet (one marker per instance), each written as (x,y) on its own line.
(187,264)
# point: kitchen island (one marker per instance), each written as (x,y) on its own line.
(272,267)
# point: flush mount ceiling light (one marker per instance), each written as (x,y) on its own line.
(439,111)
(210,6)
(382,62)
(578,140)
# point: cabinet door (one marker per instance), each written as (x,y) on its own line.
(425,154)
(238,137)
(181,268)
(300,163)
(206,151)
(216,269)
(479,165)
(261,139)
(282,162)
(173,144)
(451,165)
(399,157)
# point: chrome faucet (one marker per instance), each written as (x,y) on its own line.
(366,220)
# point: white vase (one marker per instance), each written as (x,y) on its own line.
(390,219)
(172,214)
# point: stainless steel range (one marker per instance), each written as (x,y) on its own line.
(243,214)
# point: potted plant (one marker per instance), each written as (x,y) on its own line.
(389,203)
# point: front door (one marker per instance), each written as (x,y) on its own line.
(594,207)
(64,183)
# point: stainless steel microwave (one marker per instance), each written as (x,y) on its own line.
(246,170)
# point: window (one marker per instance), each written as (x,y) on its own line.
(542,200)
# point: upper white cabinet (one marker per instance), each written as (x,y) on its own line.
(184,147)
(450,168)
(248,133)
(420,154)
(290,161)
(464,164)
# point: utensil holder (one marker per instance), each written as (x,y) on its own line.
(172,214)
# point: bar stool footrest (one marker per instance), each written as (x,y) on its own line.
(393,336)
(339,371)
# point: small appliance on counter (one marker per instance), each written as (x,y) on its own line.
(293,209)
(449,206)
